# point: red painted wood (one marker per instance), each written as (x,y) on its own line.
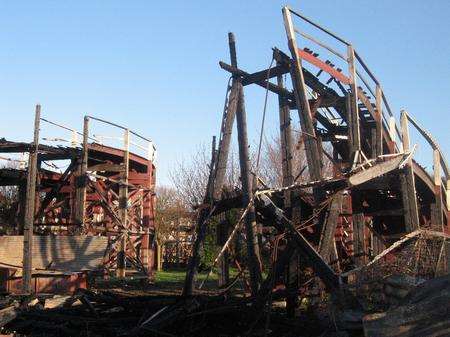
(322,65)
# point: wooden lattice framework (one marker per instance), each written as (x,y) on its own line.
(102,191)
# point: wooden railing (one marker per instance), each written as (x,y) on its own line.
(363,83)
(360,78)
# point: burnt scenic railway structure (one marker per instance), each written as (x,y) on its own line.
(103,191)
(331,222)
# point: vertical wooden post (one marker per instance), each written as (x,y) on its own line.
(22,207)
(285,142)
(212,165)
(377,243)
(148,199)
(145,241)
(359,239)
(355,154)
(447,190)
(291,199)
(80,198)
(159,253)
(123,207)
(223,231)
(438,222)
(304,111)
(329,228)
(392,133)
(227,125)
(437,168)
(379,120)
(405,131)
(247,191)
(354,127)
(30,207)
(407,181)
(218,174)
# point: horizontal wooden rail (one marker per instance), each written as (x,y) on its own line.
(321,44)
(119,126)
(304,18)
(322,65)
(433,143)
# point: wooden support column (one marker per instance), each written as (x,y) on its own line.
(326,244)
(285,139)
(227,125)
(148,201)
(80,198)
(251,230)
(438,223)
(223,231)
(144,251)
(30,207)
(377,243)
(392,134)
(218,175)
(306,119)
(123,207)
(379,121)
(358,220)
(352,109)
(447,190)
(407,181)
(22,207)
(291,199)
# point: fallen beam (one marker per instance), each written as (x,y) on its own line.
(320,267)
(376,170)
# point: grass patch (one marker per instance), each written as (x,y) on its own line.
(177,276)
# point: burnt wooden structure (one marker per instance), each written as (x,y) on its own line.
(334,221)
(103,190)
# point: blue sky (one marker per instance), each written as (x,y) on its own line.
(153,65)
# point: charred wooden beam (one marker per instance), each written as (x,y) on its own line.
(352,108)
(55,189)
(438,210)
(225,140)
(358,221)
(321,268)
(263,83)
(375,171)
(304,111)
(81,180)
(314,83)
(236,107)
(247,190)
(265,75)
(291,198)
(329,227)
(408,184)
(106,167)
(30,207)
(123,207)
(379,121)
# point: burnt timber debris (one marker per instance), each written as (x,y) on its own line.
(359,250)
